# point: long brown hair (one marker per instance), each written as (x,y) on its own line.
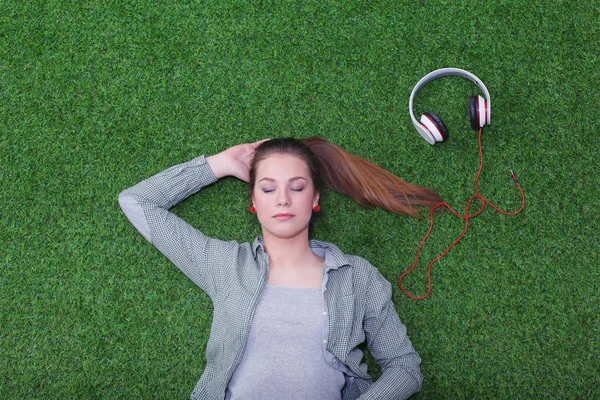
(368,184)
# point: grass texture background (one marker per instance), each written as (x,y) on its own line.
(97,95)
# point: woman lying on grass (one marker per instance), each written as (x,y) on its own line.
(289,312)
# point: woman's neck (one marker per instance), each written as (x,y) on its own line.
(290,252)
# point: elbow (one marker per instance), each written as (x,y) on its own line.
(413,379)
(126,202)
(418,377)
(408,371)
(135,214)
(413,368)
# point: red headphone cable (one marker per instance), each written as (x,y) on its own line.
(466,217)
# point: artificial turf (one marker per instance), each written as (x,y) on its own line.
(97,95)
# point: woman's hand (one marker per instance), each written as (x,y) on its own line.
(235,161)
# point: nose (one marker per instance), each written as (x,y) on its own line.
(283,199)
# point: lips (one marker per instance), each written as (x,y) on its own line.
(283,216)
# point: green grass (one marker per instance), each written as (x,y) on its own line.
(95,96)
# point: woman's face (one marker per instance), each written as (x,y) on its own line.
(284,196)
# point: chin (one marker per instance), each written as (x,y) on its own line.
(286,232)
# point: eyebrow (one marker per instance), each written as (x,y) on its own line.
(290,180)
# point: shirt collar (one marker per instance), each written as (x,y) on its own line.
(334,258)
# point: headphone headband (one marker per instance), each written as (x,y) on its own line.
(438,74)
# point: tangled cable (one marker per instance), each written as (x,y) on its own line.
(466,217)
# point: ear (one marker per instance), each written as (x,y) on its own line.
(316,198)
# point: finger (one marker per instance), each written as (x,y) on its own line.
(253,146)
(256,144)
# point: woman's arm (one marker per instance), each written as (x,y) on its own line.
(389,344)
(147,206)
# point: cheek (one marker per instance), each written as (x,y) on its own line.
(255,197)
(262,204)
(308,202)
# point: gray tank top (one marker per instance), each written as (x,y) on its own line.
(284,357)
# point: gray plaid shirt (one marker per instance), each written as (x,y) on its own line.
(357,296)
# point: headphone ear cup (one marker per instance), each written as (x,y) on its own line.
(474,112)
(478,112)
(439,125)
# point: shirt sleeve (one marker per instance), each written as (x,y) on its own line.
(147,205)
(389,344)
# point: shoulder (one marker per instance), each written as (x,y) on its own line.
(357,267)
(355,278)
(222,253)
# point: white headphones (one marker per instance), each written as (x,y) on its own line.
(431,127)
